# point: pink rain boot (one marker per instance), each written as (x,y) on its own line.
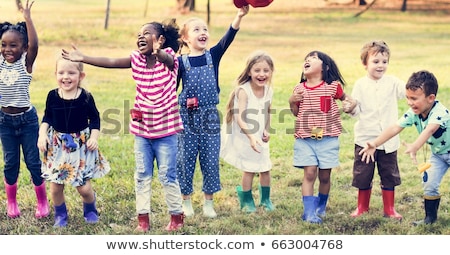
(42,207)
(11,192)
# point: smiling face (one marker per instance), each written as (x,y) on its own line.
(69,75)
(145,41)
(260,73)
(195,35)
(377,64)
(12,46)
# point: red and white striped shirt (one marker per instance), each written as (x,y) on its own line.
(319,109)
(156,97)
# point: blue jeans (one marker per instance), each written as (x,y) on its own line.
(439,166)
(164,151)
(18,130)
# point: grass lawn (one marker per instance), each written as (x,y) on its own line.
(287,31)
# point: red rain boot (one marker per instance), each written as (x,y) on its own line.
(144,223)
(388,203)
(176,222)
(363,202)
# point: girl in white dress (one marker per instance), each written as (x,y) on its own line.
(246,135)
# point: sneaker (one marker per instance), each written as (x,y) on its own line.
(208,209)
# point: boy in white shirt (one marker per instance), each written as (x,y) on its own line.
(376,109)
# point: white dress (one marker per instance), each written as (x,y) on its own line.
(235,145)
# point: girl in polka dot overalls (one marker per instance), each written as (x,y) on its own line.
(198,101)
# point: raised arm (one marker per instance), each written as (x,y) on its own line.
(241,13)
(33,43)
(78,56)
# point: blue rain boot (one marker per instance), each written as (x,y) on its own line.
(60,216)
(309,209)
(322,206)
(90,213)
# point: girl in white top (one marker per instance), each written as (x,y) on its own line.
(246,136)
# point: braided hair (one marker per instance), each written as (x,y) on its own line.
(20,28)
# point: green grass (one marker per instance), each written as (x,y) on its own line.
(287,31)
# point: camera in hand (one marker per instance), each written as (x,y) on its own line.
(192,103)
(136,115)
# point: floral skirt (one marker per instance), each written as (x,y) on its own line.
(68,160)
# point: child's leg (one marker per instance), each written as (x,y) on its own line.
(309,200)
(166,159)
(362,179)
(324,181)
(324,190)
(186,156)
(247,204)
(90,212)
(309,178)
(264,191)
(389,178)
(143,173)
(57,193)
(247,181)
(209,165)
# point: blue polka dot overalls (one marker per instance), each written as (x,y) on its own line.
(201,134)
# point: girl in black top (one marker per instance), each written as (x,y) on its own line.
(68,137)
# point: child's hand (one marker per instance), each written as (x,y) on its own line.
(297,96)
(25,11)
(156,44)
(411,151)
(92,144)
(74,55)
(243,11)
(266,136)
(349,104)
(368,152)
(42,142)
(255,143)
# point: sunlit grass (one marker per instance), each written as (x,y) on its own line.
(286,31)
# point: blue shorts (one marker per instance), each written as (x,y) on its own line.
(322,153)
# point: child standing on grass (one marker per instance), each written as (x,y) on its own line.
(432,121)
(19,123)
(246,134)
(199,72)
(155,116)
(376,95)
(317,129)
(68,136)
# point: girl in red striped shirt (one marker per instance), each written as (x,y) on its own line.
(317,129)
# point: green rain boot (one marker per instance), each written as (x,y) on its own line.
(264,195)
(246,200)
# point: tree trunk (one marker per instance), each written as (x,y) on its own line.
(404,6)
(107,14)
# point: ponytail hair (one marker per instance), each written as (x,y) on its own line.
(169,29)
